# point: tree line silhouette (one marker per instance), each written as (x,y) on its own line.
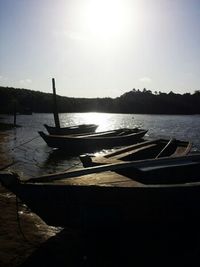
(135,101)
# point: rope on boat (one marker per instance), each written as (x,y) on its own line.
(20,227)
(26,142)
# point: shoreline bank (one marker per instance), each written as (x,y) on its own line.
(14,249)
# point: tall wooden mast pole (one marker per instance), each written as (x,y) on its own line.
(56,117)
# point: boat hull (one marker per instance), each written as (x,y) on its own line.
(91,207)
(78,129)
(144,150)
(81,144)
(157,191)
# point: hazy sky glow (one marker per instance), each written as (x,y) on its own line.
(99,48)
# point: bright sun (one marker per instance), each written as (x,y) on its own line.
(107,18)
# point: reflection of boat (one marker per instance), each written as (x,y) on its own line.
(75,129)
(165,190)
(93,142)
(144,150)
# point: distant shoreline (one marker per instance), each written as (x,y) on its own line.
(132,102)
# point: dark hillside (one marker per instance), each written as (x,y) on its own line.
(135,101)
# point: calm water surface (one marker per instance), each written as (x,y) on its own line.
(32,157)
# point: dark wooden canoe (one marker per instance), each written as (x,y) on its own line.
(76,144)
(165,190)
(75,129)
(143,150)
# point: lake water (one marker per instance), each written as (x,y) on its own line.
(30,155)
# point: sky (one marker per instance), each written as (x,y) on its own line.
(100,48)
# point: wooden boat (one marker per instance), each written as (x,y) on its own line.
(75,129)
(164,190)
(143,150)
(76,144)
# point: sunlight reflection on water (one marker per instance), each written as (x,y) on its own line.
(104,120)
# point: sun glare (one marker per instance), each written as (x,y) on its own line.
(107,18)
(104,120)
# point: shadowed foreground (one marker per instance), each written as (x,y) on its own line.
(142,245)
(136,247)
